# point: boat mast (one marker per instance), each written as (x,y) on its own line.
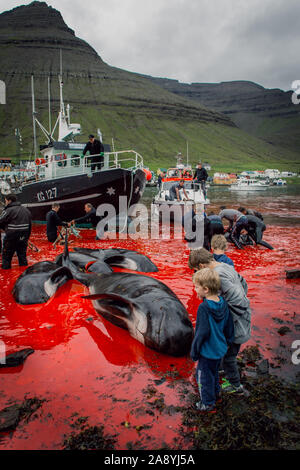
(62,116)
(49,105)
(33,118)
(187,153)
(66,130)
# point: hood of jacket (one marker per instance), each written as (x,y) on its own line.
(216,309)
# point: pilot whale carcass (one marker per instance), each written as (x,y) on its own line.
(147,308)
(39,282)
(83,262)
(122,258)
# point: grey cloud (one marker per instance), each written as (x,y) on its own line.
(191,40)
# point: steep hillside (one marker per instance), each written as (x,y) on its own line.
(265,113)
(127,107)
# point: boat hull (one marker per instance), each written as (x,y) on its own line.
(253,188)
(102,187)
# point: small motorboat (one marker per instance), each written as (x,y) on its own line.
(248,184)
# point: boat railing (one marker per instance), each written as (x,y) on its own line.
(62,165)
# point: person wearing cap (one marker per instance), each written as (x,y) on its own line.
(96,149)
(200,176)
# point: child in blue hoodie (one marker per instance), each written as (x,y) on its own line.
(214,332)
(219,246)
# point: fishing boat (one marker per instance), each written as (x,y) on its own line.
(249,184)
(193,190)
(64,175)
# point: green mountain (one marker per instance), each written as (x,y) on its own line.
(132,110)
(269,114)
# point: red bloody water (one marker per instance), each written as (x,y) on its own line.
(83,364)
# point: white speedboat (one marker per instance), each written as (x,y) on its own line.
(193,191)
(249,185)
(279,182)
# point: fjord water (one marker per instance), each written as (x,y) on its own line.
(279,204)
(86,367)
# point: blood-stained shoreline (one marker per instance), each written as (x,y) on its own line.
(83,366)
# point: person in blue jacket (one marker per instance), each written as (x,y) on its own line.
(214,333)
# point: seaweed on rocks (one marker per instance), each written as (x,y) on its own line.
(266,420)
(89,438)
(12,415)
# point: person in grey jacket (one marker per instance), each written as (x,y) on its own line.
(234,290)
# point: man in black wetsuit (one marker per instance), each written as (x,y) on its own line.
(216,224)
(16,222)
(256,227)
(95,147)
(90,216)
(200,176)
(189,221)
(53,221)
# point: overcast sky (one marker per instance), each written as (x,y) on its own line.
(191,40)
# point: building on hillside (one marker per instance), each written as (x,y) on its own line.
(272,173)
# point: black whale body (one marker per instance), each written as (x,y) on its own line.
(81,260)
(39,282)
(122,258)
(147,308)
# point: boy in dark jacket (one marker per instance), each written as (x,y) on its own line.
(214,332)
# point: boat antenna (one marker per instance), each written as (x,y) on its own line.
(60,61)
(33,117)
(62,106)
(66,130)
(49,104)
(187,153)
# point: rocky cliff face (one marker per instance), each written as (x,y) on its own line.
(234,97)
(31,37)
(266,113)
(29,18)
